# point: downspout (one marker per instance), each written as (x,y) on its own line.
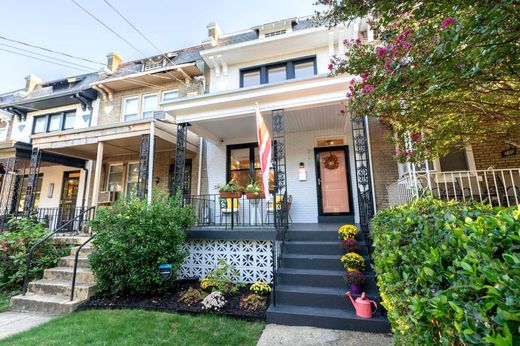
(87,169)
(199,173)
(151,160)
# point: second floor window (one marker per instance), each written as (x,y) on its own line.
(140,107)
(277,72)
(54,122)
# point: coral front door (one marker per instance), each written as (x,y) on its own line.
(332,181)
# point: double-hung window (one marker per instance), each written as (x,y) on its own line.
(54,122)
(278,72)
(131,109)
(170,95)
(140,107)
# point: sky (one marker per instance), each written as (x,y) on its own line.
(170,24)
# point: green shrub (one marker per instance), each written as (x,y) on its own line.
(133,239)
(449,273)
(21,234)
(222,278)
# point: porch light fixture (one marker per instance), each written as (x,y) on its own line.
(302,173)
(50,192)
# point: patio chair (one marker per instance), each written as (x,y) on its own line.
(229,207)
(270,207)
(471,187)
(511,180)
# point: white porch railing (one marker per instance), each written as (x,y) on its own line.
(499,187)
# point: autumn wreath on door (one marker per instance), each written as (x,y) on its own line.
(331,162)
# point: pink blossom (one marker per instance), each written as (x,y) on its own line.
(381,51)
(367,88)
(364,76)
(447,21)
(358,41)
(416,136)
(342,111)
(331,67)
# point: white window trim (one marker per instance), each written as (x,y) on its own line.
(169,91)
(324,138)
(141,115)
(123,180)
(469,158)
(127,175)
(123,106)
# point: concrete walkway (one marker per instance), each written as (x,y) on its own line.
(274,335)
(16,322)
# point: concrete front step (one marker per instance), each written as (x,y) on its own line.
(85,251)
(69,261)
(83,275)
(72,239)
(82,291)
(50,304)
(323,235)
(325,318)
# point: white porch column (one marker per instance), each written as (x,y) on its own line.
(97,173)
(151,158)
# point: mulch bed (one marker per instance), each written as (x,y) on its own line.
(168,301)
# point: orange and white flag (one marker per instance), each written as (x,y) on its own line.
(264,149)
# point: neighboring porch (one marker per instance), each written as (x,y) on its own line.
(124,160)
(498,187)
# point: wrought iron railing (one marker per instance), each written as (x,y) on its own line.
(498,187)
(229,213)
(51,217)
(85,215)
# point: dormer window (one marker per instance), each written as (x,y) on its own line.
(278,72)
(275,33)
(276,28)
(152,65)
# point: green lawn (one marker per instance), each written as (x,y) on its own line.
(137,327)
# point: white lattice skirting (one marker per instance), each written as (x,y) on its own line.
(252,258)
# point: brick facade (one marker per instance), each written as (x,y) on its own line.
(384,164)
(490,155)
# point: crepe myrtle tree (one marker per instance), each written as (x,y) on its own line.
(441,74)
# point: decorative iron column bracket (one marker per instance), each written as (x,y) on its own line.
(364,184)
(180,159)
(144,155)
(32,181)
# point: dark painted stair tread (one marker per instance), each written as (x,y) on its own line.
(326,318)
(303,256)
(371,294)
(310,271)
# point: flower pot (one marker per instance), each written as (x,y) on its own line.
(227,194)
(352,269)
(252,195)
(355,289)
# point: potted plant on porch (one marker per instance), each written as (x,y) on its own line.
(254,190)
(229,190)
(356,280)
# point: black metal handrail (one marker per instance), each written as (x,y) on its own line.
(36,245)
(74,272)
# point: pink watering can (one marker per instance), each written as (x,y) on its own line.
(363,305)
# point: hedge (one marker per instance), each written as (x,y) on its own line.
(133,238)
(449,273)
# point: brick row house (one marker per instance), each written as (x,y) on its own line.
(185,121)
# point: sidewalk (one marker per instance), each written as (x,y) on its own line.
(274,335)
(16,322)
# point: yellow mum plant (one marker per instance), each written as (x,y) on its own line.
(353,261)
(208,283)
(260,287)
(348,232)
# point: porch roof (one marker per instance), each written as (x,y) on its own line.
(313,103)
(120,139)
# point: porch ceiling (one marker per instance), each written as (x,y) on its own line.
(307,119)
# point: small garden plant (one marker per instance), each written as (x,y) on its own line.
(253,302)
(192,296)
(232,186)
(260,288)
(348,232)
(353,262)
(214,301)
(223,278)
